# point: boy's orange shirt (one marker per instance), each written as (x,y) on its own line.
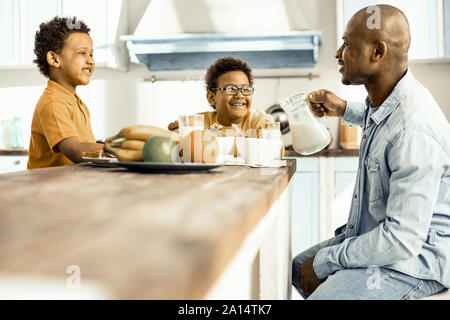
(58,115)
(254,120)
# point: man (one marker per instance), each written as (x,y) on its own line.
(396,243)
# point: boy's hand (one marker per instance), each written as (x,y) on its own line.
(326,103)
(173,125)
(72,148)
(307,278)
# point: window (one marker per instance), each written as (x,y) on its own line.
(447,27)
(426,19)
(8,15)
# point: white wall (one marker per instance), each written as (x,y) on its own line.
(117,99)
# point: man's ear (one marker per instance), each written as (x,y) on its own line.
(53,59)
(380,51)
(210,96)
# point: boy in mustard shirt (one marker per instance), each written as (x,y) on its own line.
(61,128)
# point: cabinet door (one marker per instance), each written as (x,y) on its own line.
(305,205)
(344,184)
(9,32)
(13,163)
(33,13)
(447,27)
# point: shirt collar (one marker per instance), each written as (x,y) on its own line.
(66,94)
(391,103)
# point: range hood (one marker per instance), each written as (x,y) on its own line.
(190,35)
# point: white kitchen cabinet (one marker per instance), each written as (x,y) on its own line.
(345,171)
(321,198)
(13,163)
(9,11)
(107,20)
(95,17)
(447,27)
(305,205)
(32,14)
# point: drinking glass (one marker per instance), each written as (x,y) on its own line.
(192,143)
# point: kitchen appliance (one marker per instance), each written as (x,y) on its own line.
(278,36)
(279,115)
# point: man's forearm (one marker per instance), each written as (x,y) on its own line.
(354,114)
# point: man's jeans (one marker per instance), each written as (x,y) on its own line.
(363,283)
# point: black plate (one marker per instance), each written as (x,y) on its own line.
(166,167)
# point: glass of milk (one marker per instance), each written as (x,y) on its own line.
(309,135)
(187,124)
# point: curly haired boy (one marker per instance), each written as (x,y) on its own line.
(229,90)
(61,130)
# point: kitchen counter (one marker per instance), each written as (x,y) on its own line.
(133,236)
(13,152)
(328,153)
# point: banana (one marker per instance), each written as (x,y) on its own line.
(143,132)
(124,154)
(128,144)
(133,144)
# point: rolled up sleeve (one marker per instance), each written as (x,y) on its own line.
(354,114)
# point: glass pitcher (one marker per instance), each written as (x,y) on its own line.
(309,135)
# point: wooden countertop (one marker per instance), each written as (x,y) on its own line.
(289,153)
(141,236)
(13,152)
(326,153)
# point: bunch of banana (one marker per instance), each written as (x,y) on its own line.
(128,144)
(143,132)
(124,154)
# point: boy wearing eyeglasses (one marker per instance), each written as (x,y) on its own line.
(229,91)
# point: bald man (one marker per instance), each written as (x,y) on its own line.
(396,243)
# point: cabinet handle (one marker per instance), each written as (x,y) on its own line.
(17,162)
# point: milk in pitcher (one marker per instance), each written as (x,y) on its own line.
(308,134)
(307,138)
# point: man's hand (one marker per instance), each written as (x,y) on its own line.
(326,103)
(173,125)
(307,278)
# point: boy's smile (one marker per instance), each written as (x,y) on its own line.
(76,63)
(231,108)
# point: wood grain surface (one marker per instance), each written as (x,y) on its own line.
(329,153)
(13,152)
(142,236)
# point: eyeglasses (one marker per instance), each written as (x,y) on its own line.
(233,90)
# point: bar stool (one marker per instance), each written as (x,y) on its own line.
(443,295)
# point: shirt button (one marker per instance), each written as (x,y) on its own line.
(350,226)
(356,196)
(364,136)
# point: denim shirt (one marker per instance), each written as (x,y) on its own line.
(400,212)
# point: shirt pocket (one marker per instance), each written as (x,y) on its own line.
(373,186)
